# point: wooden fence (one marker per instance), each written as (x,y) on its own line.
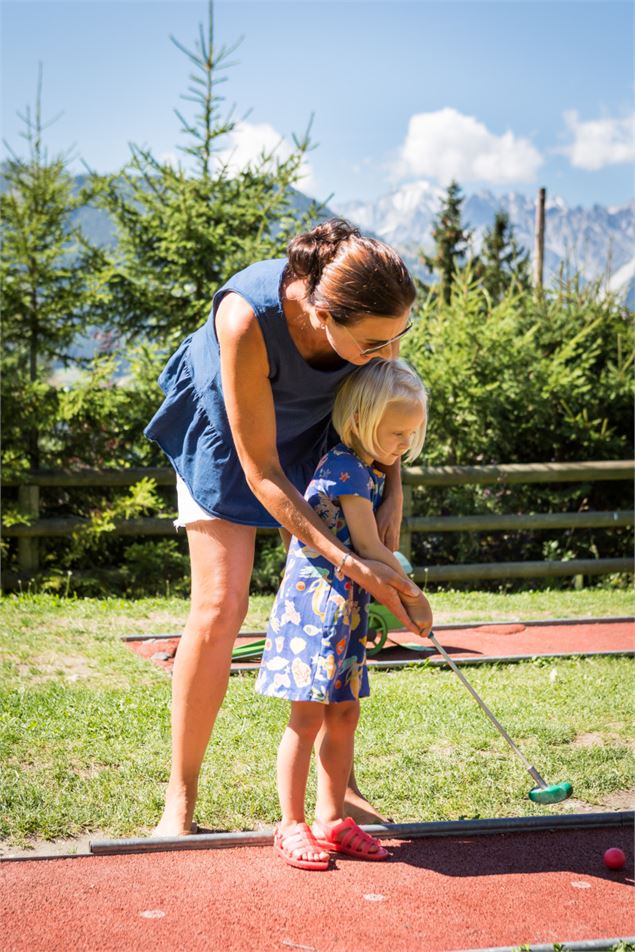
(29,501)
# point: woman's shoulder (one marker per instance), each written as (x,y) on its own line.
(258,283)
(252,295)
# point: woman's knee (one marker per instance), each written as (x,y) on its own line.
(212,617)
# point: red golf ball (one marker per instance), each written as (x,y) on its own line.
(614,858)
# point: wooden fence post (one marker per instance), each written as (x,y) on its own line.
(539,240)
(29,546)
(405,536)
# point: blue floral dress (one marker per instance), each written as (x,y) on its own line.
(315,648)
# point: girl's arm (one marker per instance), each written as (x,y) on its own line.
(251,414)
(360,520)
(362,525)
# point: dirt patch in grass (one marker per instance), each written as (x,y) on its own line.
(594,739)
(620,800)
(588,740)
(50,666)
(70,847)
(443,750)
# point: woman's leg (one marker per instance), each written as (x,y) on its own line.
(294,755)
(221,556)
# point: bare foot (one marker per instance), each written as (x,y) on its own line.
(359,809)
(177,814)
(170,829)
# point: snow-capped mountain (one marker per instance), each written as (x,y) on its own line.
(598,242)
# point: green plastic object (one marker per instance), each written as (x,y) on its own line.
(253,649)
(555,793)
(380,622)
(377,628)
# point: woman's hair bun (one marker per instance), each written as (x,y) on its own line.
(309,253)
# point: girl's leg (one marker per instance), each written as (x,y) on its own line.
(334,762)
(335,759)
(294,755)
(355,803)
(221,555)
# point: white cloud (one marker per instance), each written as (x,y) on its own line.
(246,142)
(599,142)
(447,144)
(169,158)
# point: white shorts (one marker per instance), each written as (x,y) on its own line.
(189,510)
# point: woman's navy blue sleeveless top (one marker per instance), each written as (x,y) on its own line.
(191,424)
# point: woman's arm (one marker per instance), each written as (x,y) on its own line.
(390,512)
(251,414)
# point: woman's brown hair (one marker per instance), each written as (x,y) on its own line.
(349,275)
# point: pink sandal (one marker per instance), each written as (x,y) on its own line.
(353,841)
(298,839)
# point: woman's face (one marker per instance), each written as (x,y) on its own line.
(370,337)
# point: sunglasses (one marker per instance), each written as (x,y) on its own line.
(377,347)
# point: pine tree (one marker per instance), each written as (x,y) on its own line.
(502,262)
(451,240)
(45,282)
(182,232)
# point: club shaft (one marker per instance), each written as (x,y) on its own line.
(532,770)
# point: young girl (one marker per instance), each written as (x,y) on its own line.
(315,653)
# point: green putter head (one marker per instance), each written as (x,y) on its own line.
(555,793)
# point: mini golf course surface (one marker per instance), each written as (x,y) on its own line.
(478,890)
(478,642)
(465,885)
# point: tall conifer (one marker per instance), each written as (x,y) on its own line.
(44,277)
(451,241)
(502,262)
(182,231)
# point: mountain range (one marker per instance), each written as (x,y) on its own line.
(598,242)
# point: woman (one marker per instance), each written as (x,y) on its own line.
(245,420)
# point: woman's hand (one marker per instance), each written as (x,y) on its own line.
(419,610)
(388,516)
(385,585)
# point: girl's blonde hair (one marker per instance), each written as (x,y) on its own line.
(364,397)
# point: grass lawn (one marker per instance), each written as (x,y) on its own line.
(85,723)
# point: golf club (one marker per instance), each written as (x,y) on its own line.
(543,792)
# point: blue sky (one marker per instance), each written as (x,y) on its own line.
(504,95)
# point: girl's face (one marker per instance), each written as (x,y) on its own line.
(371,337)
(396,430)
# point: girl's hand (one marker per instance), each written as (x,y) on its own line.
(386,585)
(419,611)
(388,516)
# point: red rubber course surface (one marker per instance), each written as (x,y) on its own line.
(435,894)
(496,640)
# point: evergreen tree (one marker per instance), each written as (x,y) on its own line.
(182,232)
(44,277)
(451,240)
(502,262)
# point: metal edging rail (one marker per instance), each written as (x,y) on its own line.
(578,945)
(538,623)
(200,841)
